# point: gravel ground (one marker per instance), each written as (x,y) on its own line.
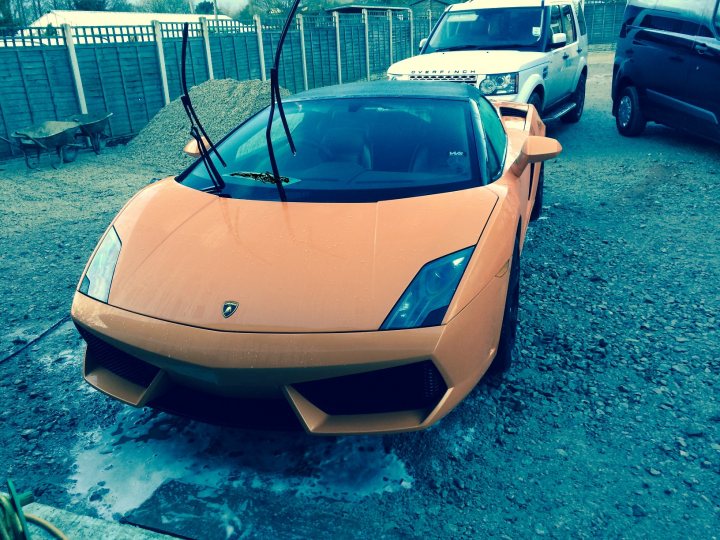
(607,425)
(220,104)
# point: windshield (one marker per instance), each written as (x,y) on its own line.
(487,29)
(352,150)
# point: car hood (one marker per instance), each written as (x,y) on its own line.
(480,62)
(292,267)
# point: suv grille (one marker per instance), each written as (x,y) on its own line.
(450,77)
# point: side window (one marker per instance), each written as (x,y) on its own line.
(581,20)
(629,19)
(569,23)
(669,24)
(555,21)
(495,135)
(704,31)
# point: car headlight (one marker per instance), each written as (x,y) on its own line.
(98,278)
(426,300)
(499,84)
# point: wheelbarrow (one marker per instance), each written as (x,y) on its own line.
(33,140)
(93,127)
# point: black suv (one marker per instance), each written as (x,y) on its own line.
(667,67)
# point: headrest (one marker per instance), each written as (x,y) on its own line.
(339,142)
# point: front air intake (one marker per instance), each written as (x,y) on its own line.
(122,364)
(417,386)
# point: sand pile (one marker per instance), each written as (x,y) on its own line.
(220,104)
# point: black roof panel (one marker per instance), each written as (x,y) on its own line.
(415,89)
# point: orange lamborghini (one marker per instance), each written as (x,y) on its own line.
(372,298)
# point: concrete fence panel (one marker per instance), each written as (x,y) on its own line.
(321,51)
(36,84)
(352,53)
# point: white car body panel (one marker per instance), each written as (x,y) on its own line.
(554,73)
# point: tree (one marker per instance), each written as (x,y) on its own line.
(264,7)
(205,8)
(6,17)
(166,6)
(90,5)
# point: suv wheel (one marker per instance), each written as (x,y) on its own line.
(536,101)
(578,98)
(630,120)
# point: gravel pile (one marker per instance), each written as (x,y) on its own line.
(220,104)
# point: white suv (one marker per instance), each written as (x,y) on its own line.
(529,51)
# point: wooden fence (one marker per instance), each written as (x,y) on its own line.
(133,71)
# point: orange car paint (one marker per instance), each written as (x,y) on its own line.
(307,334)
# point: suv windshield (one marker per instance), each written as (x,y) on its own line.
(352,150)
(487,29)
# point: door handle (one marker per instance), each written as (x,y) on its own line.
(701,48)
(566,56)
(579,50)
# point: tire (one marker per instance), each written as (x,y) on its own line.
(508,331)
(68,153)
(630,120)
(537,205)
(536,101)
(578,98)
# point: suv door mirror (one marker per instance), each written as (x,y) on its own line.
(422,43)
(534,150)
(558,40)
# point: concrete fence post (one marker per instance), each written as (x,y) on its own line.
(261,47)
(301,25)
(70,44)
(390,33)
(208,54)
(412,33)
(157,27)
(336,23)
(367,43)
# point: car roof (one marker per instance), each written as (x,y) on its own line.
(412,89)
(488,4)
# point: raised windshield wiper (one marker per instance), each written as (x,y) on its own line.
(264,177)
(275,97)
(196,128)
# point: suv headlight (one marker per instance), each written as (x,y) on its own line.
(98,278)
(426,300)
(499,84)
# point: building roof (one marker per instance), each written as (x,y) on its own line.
(58,17)
(433,1)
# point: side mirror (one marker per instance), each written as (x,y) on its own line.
(534,150)
(559,40)
(192,149)
(422,43)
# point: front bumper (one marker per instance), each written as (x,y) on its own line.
(141,360)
